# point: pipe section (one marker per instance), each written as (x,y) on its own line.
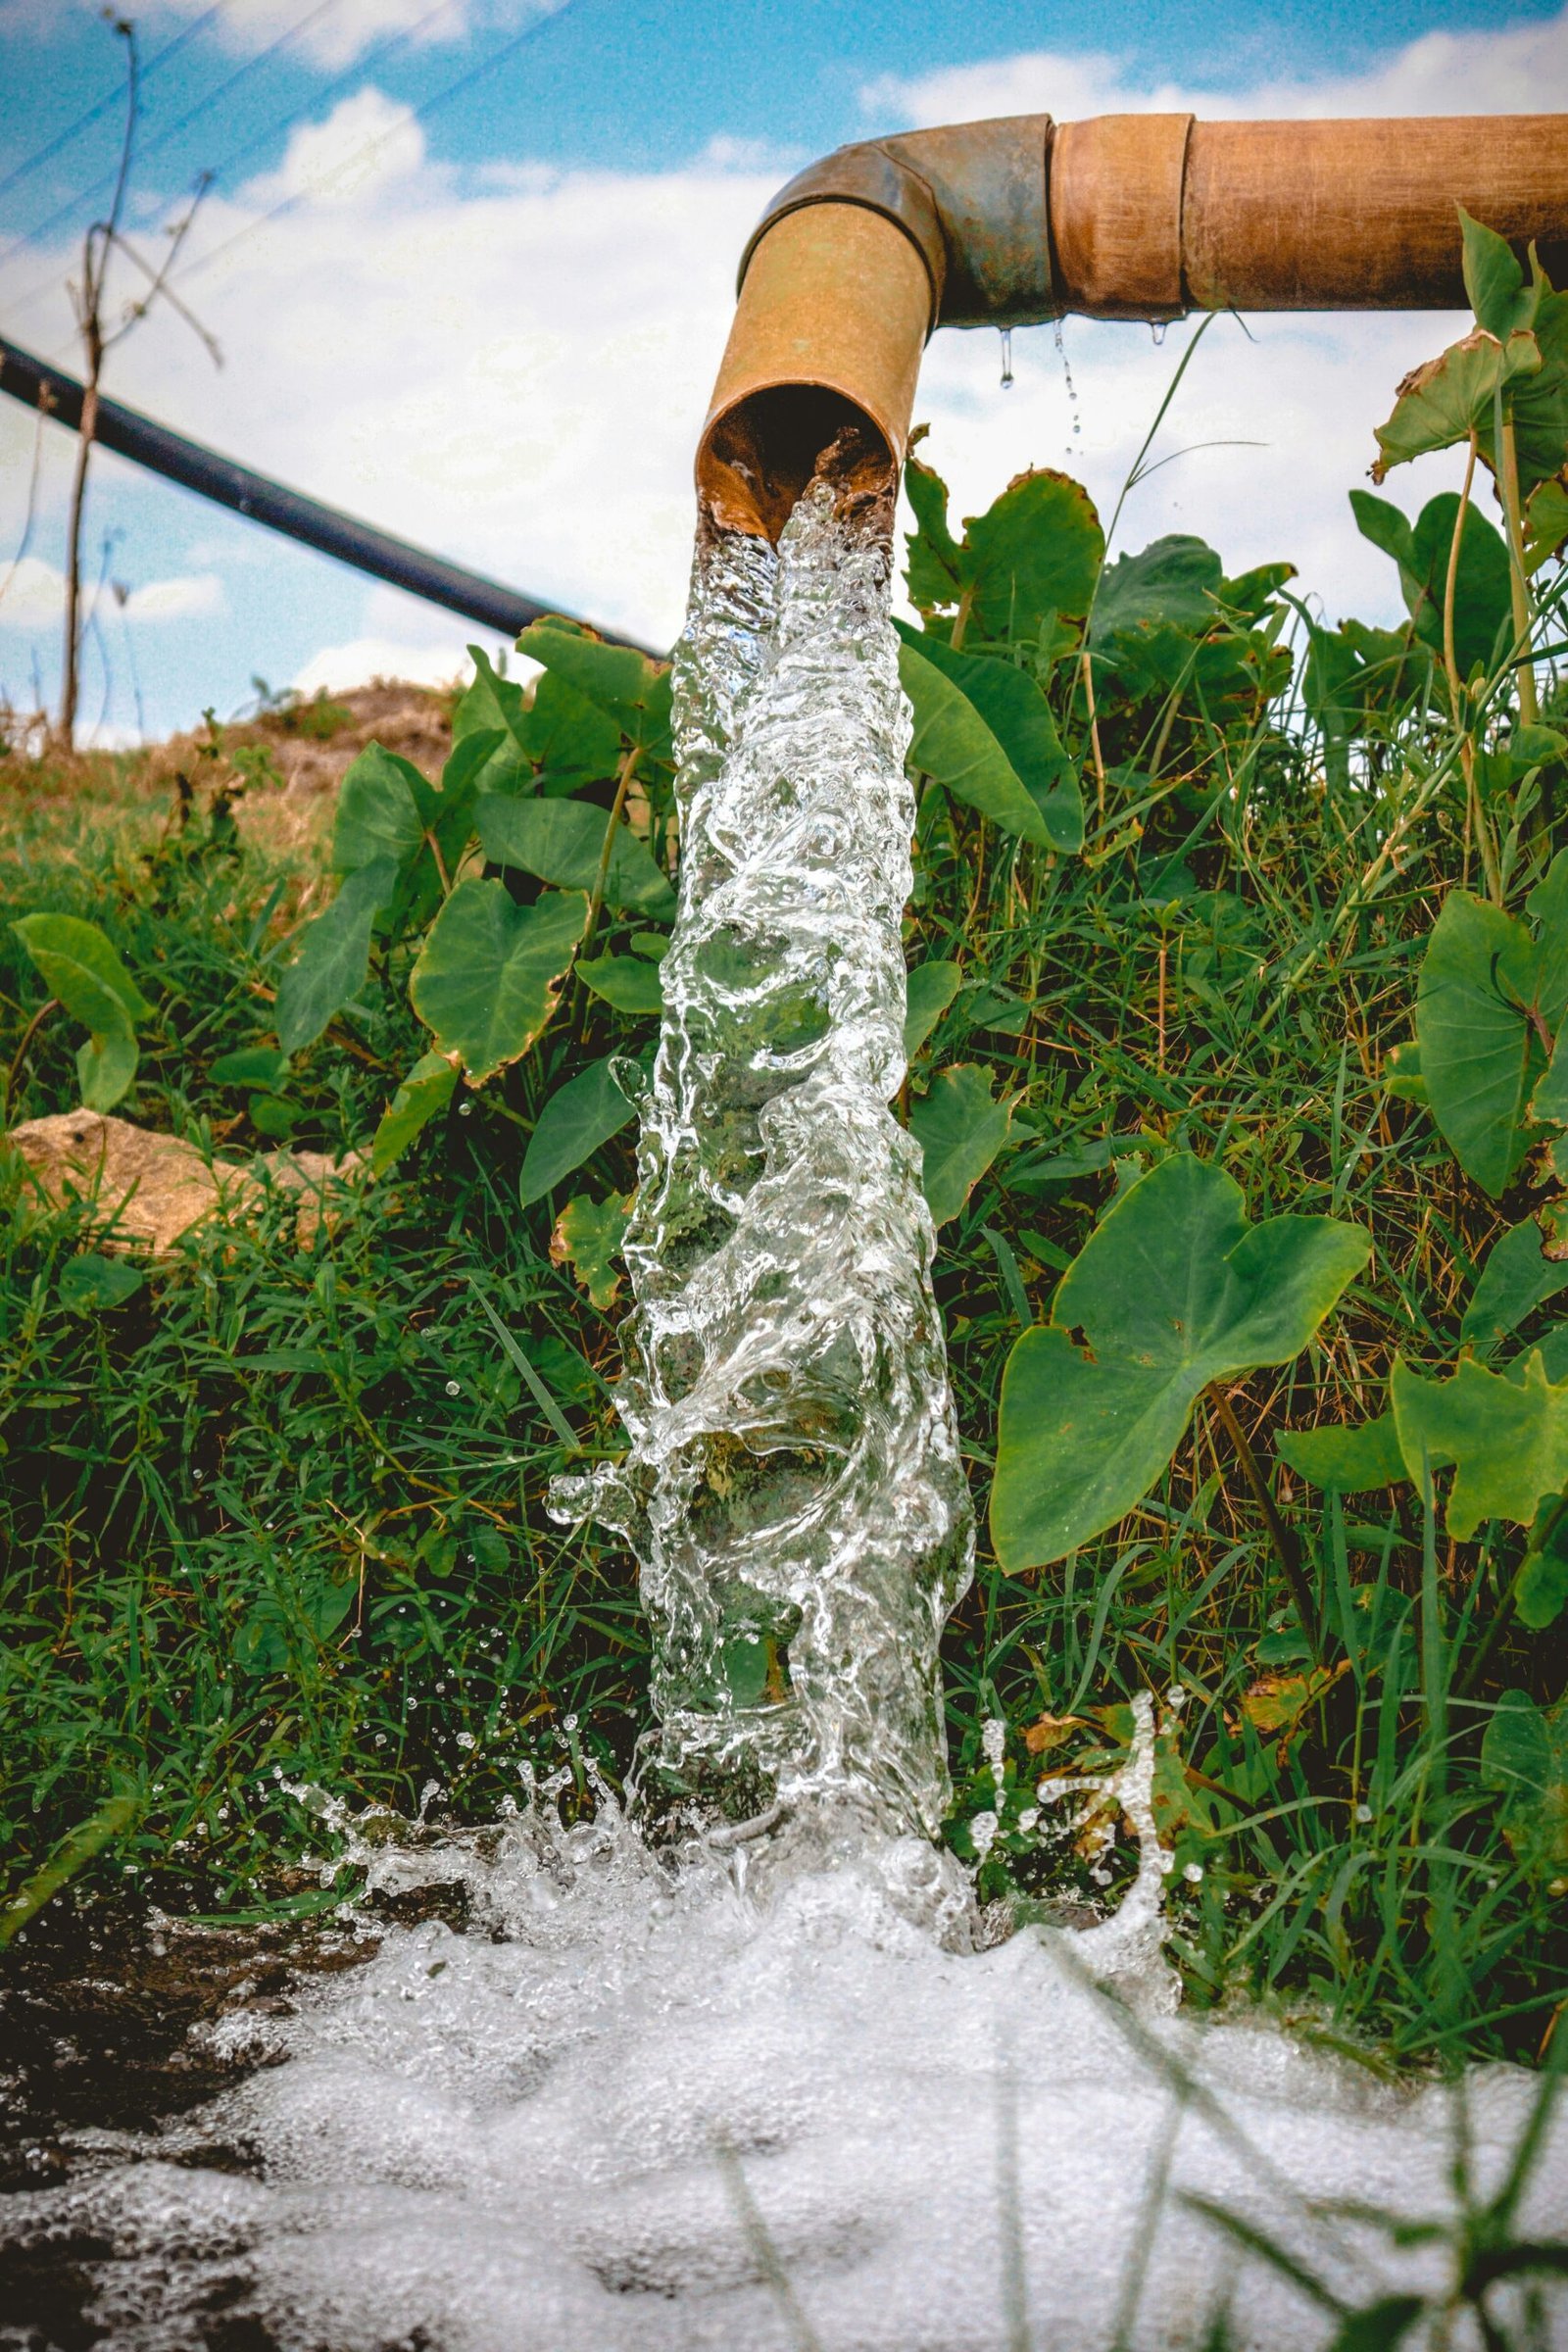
(1009,222)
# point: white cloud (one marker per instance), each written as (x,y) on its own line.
(366,140)
(1515,69)
(339,668)
(189,596)
(32,597)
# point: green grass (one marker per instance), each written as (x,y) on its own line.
(276,1521)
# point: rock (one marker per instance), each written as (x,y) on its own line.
(147,1189)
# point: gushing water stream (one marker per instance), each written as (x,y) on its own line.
(793,1489)
(768,2084)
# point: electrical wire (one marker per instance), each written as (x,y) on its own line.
(24,171)
(73,204)
(276,128)
(419,114)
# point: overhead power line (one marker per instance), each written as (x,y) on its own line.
(88,195)
(84,121)
(419,114)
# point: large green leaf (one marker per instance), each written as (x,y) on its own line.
(1034,555)
(333,959)
(83,969)
(1482,595)
(1495,280)
(588,1236)
(426,1090)
(1174,1289)
(1537,403)
(1486,991)
(1018,715)
(932,988)
(1450,397)
(563,841)
(489,971)
(1175,581)
(378,812)
(1345,1461)
(578,1118)
(91,1284)
(627,982)
(1503,1435)
(556,731)
(960,1130)
(933,552)
(1036,551)
(953,742)
(1524,1756)
(626,686)
(1515,1280)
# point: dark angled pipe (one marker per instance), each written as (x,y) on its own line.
(1007,223)
(260,500)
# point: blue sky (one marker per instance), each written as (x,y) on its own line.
(487,316)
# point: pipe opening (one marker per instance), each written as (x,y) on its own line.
(759,457)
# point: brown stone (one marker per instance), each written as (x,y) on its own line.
(146,1189)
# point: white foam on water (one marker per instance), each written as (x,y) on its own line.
(630,2111)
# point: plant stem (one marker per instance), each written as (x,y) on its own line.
(1093,736)
(52,1005)
(1518,579)
(1286,1547)
(622,787)
(1474,814)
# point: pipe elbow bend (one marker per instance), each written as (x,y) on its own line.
(971,199)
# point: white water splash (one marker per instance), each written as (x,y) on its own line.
(793,1489)
(630,2112)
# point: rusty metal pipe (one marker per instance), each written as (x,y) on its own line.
(1009,222)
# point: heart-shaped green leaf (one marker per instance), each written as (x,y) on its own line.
(932,988)
(625,685)
(588,1236)
(1515,1280)
(578,1118)
(334,959)
(953,744)
(1486,991)
(1016,710)
(1030,561)
(562,842)
(959,1130)
(489,971)
(91,1283)
(624,981)
(1450,397)
(426,1090)
(1174,1289)
(1345,1461)
(83,969)
(378,812)
(1504,1435)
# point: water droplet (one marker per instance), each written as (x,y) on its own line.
(464,1110)
(454,1387)
(1156,329)
(1007,358)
